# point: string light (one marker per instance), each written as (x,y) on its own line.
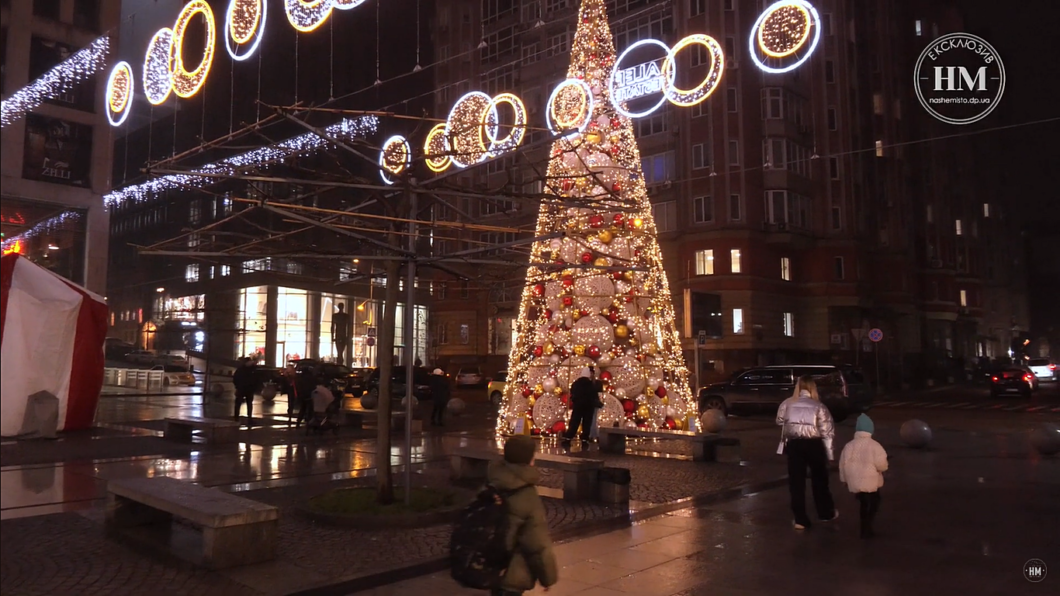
(599,295)
(641,80)
(518,126)
(49,226)
(780,32)
(307,15)
(61,79)
(119,94)
(395,157)
(570,107)
(245,22)
(158,62)
(688,98)
(436,149)
(185,83)
(345,129)
(465,128)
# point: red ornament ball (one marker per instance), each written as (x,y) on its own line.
(617,219)
(559,427)
(594,351)
(568,282)
(616,187)
(606,376)
(613,317)
(538,350)
(539,290)
(527,391)
(616,275)
(661,391)
(535,431)
(596,221)
(568,300)
(670,424)
(586,258)
(629,406)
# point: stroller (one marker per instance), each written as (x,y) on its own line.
(325,415)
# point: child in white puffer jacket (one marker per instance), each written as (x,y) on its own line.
(861,467)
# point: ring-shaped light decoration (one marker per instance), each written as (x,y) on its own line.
(784,29)
(465,129)
(570,108)
(813,21)
(394,158)
(158,67)
(120,87)
(492,128)
(348,4)
(436,149)
(307,15)
(187,83)
(667,82)
(690,97)
(245,26)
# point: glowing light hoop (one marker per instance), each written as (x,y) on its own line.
(158,67)
(233,40)
(563,124)
(492,129)
(120,87)
(753,45)
(306,16)
(387,163)
(436,137)
(772,10)
(688,98)
(468,150)
(667,83)
(187,84)
(348,4)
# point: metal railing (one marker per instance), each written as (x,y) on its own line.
(133,378)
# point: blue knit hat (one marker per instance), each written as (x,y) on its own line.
(865,424)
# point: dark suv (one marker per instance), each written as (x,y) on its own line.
(421,379)
(842,389)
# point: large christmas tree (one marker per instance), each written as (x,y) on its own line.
(596,293)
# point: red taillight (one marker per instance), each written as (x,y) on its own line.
(1028,377)
(994,378)
(1052,367)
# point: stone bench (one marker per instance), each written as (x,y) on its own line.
(705,447)
(235,531)
(213,430)
(356,417)
(579,473)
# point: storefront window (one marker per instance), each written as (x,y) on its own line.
(48,235)
(250,336)
(185,308)
(292,325)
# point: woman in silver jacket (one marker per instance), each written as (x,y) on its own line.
(807,440)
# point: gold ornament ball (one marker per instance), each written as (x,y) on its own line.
(643,412)
(579,350)
(665,401)
(601,262)
(622,331)
(605,236)
(633,341)
(627,275)
(531,401)
(558,391)
(577,315)
(594,137)
(648,392)
(652,349)
(548,348)
(538,389)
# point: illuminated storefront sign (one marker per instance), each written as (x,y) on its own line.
(658,76)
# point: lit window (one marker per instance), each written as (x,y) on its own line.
(877,104)
(734,255)
(879,148)
(964,298)
(919,28)
(930,214)
(704,262)
(226,270)
(191,272)
(789,325)
(959,228)
(986,209)
(737,320)
(785,268)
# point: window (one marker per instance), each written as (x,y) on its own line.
(786,207)
(730,52)
(658,168)
(530,53)
(47,8)
(728,4)
(554,5)
(226,270)
(734,258)
(782,154)
(919,28)
(699,156)
(986,209)
(703,209)
(877,104)
(704,262)
(772,103)
(930,214)
(699,55)
(737,320)
(833,118)
(879,148)
(840,270)
(653,125)
(191,272)
(789,325)
(964,298)
(833,167)
(665,216)
(493,10)
(734,152)
(958,228)
(499,44)
(735,208)
(194,212)
(558,44)
(829,71)
(698,7)
(732,100)
(655,25)
(700,109)
(826,23)
(785,268)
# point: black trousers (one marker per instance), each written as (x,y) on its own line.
(582,417)
(305,411)
(340,347)
(870,505)
(438,411)
(503,592)
(803,454)
(245,395)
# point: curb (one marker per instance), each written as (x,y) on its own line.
(578,531)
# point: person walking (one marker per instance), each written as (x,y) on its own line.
(304,384)
(533,561)
(245,380)
(289,377)
(440,394)
(584,399)
(861,468)
(807,435)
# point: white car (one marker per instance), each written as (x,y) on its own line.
(1043,369)
(175,375)
(141,357)
(469,377)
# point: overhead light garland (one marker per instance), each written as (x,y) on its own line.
(394,158)
(187,83)
(465,128)
(570,107)
(780,36)
(649,78)
(158,67)
(119,94)
(345,129)
(51,225)
(307,15)
(492,126)
(436,149)
(244,27)
(61,79)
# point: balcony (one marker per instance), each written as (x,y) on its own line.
(783,234)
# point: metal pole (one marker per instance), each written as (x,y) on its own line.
(410,339)
(877,368)
(699,370)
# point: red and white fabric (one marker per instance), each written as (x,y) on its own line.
(53,333)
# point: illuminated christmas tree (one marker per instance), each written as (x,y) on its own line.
(596,293)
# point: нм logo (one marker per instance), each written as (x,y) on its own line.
(1034,571)
(953,83)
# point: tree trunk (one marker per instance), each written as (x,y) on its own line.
(384,474)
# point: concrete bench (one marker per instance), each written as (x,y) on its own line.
(705,447)
(580,474)
(235,531)
(213,430)
(356,417)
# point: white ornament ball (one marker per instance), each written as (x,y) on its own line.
(456,406)
(713,421)
(620,393)
(405,401)
(549,384)
(593,330)
(631,424)
(604,360)
(628,374)
(1046,439)
(556,244)
(593,292)
(554,359)
(654,382)
(370,401)
(915,433)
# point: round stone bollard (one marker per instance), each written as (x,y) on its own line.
(1046,439)
(217,390)
(712,421)
(456,406)
(915,433)
(268,393)
(370,400)
(404,402)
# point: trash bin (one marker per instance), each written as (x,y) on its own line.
(614,485)
(42,416)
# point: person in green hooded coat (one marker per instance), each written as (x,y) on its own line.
(533,561)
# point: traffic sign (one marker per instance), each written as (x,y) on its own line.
(876,335)
(702,337)
(370,342)
(371,332)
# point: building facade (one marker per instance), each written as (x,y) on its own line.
(56,159)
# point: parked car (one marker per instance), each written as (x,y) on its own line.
(349,380)
(1044,369)
(420,378)
(357,381)
(174,374)
(140,357)
(495,386)
(469,376)
(842,389)
(116,349)
(1012,380)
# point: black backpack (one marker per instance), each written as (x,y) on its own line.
(478,554)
